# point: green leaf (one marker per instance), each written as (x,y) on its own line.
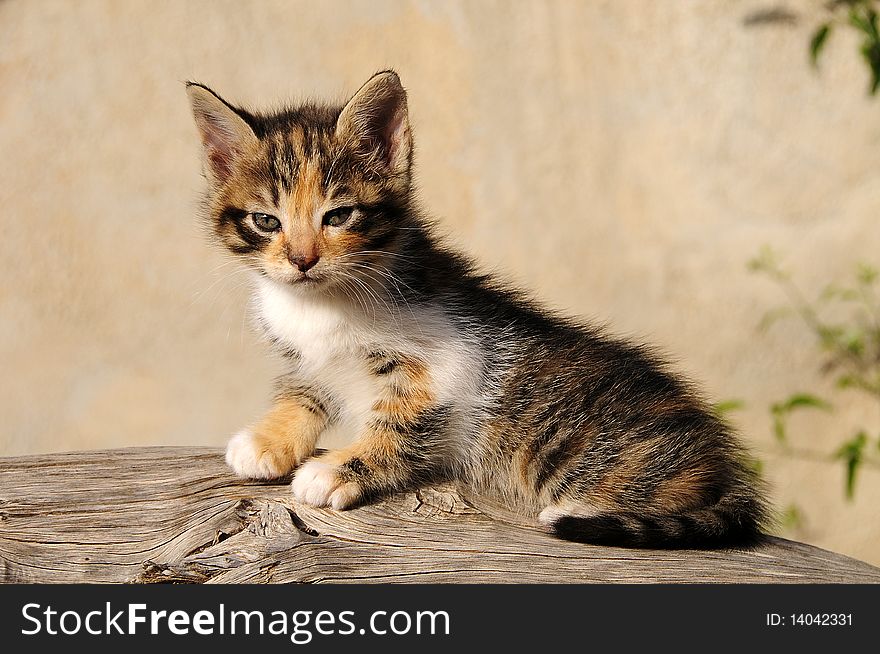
(779,427)
(830,335)
(851,455)
(727,406)
(781,410)
(804,400)
(848,294)
(867,274)
(864,19)
(850,381)
(792,517)
(871,54)
(773,316)
(854,341)
(755,464)
(830,292)
(820,36)
(860,382)
(871,19)
(861,22)
(766,261)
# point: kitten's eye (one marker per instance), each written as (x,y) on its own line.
(338,217)
(266,223)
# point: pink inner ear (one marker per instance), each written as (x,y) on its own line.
(220,164)
(395,133)
(219,148)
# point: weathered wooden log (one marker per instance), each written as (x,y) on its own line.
(179,515)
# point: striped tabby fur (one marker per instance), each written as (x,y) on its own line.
(436,370)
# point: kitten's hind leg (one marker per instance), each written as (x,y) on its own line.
(284,438)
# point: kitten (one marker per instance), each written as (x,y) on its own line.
(438,371)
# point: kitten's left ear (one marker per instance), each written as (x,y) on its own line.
(376,120)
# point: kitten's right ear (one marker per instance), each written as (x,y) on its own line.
(376,120)
(225,134)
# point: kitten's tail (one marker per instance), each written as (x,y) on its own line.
(733,521)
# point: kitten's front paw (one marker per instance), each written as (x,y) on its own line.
(318,484)
(251,459)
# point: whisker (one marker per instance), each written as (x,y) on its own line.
(368,270)
(394,280)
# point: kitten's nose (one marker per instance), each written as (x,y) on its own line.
(303,261)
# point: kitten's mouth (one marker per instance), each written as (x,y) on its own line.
(306,280)
(299,280)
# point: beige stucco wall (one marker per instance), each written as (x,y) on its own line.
(624,159)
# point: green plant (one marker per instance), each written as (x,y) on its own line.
(858,15)
(849,344)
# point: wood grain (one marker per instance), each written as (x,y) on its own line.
(179,515)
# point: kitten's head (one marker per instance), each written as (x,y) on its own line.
(309,196)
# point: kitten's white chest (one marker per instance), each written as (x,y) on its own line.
(318,330)
(330,343)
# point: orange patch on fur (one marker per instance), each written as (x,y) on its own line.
(277,247)
(625,472)
(375,450)
(682,492)
(307,195)
(343,243)
(288,433)
(407,394)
